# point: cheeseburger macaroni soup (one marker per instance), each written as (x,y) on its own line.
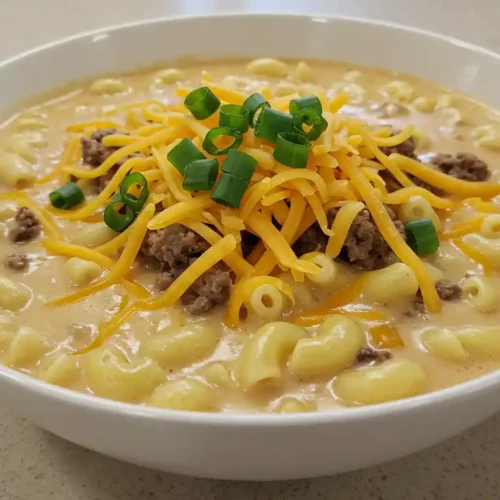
(251,236)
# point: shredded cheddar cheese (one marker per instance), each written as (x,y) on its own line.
(345,172)
(121,267)
(391,234)
(341,225)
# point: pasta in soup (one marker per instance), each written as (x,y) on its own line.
(259,236)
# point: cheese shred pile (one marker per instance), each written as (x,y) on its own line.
(343,171)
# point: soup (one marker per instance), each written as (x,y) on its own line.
(281,237)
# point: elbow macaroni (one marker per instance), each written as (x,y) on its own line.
(391,380)
(483,342)
(490,248)
(391,284)
(444,343)
(267,302)
(93,235)
(399,91)
(268,67)
(331,351)
(15,171)
(13,296)
(108,86)
(329,269)
(110,375)
(417,208)
(304,72)
(61,371)
(27,347)
(182,346)
(265,352)
(185,394)
(82,272)
(168,77)
(490,227)
(482,292)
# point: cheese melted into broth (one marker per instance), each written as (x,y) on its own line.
(205,372)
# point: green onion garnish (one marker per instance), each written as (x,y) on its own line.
(67,196)
(200,175)
(255,103)
(117,215)
(202,103)
(270,123)
(310,101)
(229,191)
(292,150)
(421,236)
(183,154)
(313,119)
(214,133)
(235,117)
(138,182)
(240,165)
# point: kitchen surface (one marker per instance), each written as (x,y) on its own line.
(37,465)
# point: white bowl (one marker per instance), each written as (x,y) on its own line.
(256,447)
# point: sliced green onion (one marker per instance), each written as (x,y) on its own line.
(292,150)
(229,191)
(421,236)
(210,147)
(254,103)
(235,117)
(270,123)
(240,165)
(200,175)
(202,103)
(117,215)
(183,154)
(136,180)
(311,117)
(310,101)
(67,196)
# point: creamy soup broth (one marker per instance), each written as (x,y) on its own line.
(45,341)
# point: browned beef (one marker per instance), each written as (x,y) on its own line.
(175,248)
(94,153)
(17,261)
(406,148)
(446,291)
(364,247)
(27,226)
(465,166)
(312,239)
(372,355)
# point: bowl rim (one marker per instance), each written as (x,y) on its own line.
(62,395)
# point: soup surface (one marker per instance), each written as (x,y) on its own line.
(352,259)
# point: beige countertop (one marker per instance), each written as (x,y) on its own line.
(35,465)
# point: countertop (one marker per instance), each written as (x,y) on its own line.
(36,465)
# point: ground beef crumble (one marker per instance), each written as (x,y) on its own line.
(446,290)
(17,261)
(94,153)
(372,355)
(174,249)
(406,148)
(465,166)
(27,226)
(364,248)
